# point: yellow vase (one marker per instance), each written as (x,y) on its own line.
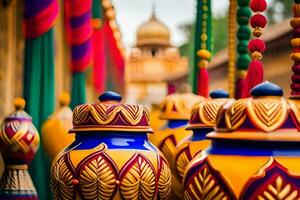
(111,157)
(255,151)
(156,122)
(202,121)
(55,136)
(176,110)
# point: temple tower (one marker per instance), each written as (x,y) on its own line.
(154,66)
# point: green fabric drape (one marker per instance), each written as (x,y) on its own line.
(39,94)
(78,89)
(203,27)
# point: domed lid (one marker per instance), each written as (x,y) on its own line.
(111,115)
(153,32)
(19,114)
(178,106)
(266,116)
(204,113)
(63,114)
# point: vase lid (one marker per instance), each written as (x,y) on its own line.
(204,113)
(110,114)
(178,106)
(266,116)
(19,114)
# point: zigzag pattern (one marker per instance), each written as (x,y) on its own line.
(20,136)
(107,114)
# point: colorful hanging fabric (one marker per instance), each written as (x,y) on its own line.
(243,36)
(99,64)
(38,88)
(78,17)
(231,47)
(39,17)
(203,47)
(295,55)
(114,50)
(256,46)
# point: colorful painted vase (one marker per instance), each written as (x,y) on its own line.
(156,122)
(202,121)
(20,141)
(176,109)
(56,128)
(111,157)
(255,151)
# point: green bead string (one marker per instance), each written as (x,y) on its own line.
(243,34)
(203,35)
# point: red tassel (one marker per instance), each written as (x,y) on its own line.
(255,75)
(203,81)
(239,85)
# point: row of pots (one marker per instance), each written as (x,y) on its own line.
(243,149)
(219,149)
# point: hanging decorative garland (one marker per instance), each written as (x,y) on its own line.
(256,46)
(243,36)
(203,41)
(231,47)
(295,55)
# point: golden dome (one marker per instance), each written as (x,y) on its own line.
(153,32)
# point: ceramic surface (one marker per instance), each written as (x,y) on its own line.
(20,141)
(175,109)
(255,151)
(111,157)
(56,128)
(202,121)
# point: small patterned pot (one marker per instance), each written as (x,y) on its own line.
(255,151)
(111,157)
(176,109)
(20,140)
(202,121)
(56,128)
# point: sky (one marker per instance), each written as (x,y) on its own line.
(132,13)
